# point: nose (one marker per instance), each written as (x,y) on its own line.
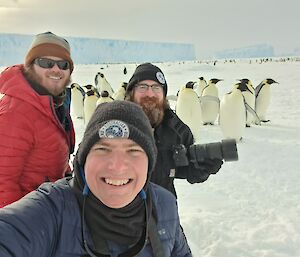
(118,162)
(55,67)
(150,92)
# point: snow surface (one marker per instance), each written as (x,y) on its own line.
(250,207)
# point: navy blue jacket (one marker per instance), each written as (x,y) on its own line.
(47,222)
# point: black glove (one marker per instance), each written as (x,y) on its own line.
(196,175)
(204,169)
(210,166)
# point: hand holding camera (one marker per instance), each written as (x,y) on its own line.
(206,158)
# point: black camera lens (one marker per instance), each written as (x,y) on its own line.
(229,150)
(225,150)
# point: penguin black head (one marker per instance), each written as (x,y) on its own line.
(124,85)
(201,78)
(244,80)
(88,86)
(243,87)
(271,81)
(104,93)
(190,84)
(215,81)
(90,92)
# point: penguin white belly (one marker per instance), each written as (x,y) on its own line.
(210,107)
(103,85)
(199,89)
(103,100)
(250,100)
(232,116)
(77,103)
(262,102)
(120,94)
(188,110)
(89,107)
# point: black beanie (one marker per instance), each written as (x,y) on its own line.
(119,119)
(147,71)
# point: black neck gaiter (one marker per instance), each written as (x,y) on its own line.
(123,226)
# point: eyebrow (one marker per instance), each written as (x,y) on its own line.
(128,144)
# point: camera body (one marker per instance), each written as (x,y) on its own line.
(180,155)
(225,150)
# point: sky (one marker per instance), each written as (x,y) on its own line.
(210,25)
(251,207)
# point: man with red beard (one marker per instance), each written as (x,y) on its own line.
(148,88)
(36,130)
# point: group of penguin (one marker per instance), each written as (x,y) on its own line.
(86,98)
(198,104)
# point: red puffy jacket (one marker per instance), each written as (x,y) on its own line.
(34,146)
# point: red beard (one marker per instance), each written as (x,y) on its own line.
(153,109)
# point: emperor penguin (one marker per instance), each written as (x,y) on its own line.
(102,84)
(77,96)
(104,98)
(120,93)
(125,70)
(200,86)
(263,98)
(188,109)
(232,117)
(210,102)
(249,96)
(89,103)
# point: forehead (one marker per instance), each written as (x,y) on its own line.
(51,57)
(116,142)
(148,82)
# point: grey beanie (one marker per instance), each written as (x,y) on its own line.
(119,119)
(147,71)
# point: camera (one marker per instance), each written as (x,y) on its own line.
(225,150)
(179,155)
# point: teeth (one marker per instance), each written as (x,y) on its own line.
(116,182)
(53,77)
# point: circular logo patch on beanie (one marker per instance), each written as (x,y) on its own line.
(160,77)
(114,129)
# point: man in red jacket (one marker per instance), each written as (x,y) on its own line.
(36,130)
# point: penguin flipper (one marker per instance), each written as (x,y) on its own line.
(253,112)
(258,88)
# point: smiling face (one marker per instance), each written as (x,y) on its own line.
(116,171)
(54,80)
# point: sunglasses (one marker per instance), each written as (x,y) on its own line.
(48,63)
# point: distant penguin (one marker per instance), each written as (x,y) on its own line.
(89,103)
(125,71)
(249,96)
(77,96)
(120,93)
(104,98)
(232,117)
(102,84)
(188,109)
(210,102)
(200,86)
(263,98)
